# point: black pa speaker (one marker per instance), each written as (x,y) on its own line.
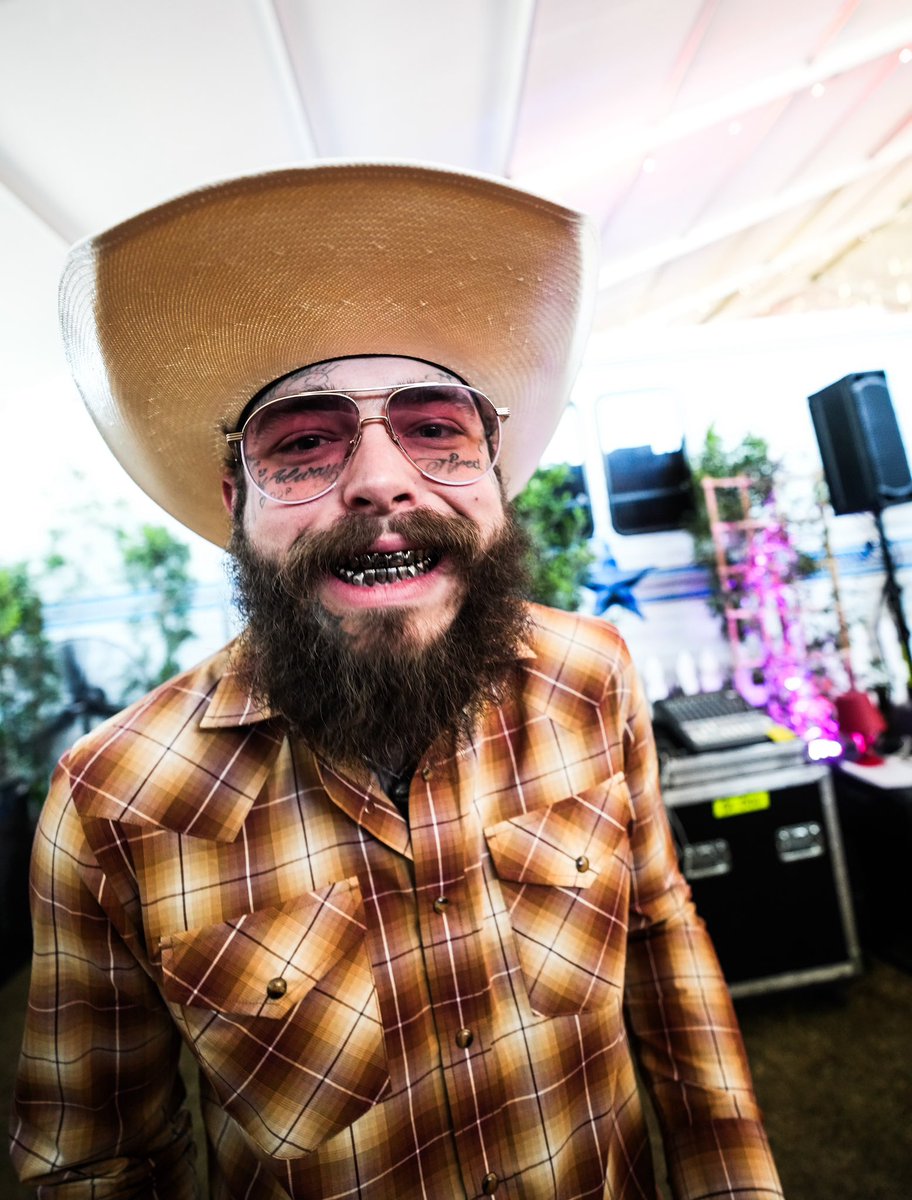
(864,459)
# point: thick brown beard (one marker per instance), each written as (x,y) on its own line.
(385,696)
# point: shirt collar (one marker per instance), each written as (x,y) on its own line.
(232,706)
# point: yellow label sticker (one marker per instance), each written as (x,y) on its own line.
(779,733)
(734,806)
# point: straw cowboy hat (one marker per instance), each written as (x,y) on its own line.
(173,319)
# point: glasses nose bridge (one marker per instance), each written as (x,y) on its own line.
(377,419)
(374,419)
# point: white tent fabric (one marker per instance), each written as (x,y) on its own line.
(743,159)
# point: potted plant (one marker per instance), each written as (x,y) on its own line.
(557,521)
(30,694)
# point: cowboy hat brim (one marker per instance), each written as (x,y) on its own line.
(173,319)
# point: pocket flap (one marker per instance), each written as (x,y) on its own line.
(265,962)
(566,844)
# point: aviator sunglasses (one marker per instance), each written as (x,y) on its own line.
(294,448)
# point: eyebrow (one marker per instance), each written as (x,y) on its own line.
(457,401)
(333,403)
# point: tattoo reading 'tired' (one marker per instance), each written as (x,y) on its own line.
(452,463)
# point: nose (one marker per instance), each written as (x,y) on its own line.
(378,477)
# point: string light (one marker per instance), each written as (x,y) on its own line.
(795,694)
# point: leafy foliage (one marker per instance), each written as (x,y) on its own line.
(155,563)
(30,682)
(88,554)
(557,525)
(96,549)
(749,458)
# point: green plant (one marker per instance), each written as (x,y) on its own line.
(30,681)
(96,549)
(557,524)
(751,459)
(155,564)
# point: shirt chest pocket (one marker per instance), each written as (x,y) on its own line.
(564,873)
(280,1008)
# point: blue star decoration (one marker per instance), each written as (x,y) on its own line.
(612,586)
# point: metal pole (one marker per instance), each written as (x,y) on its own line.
(893,595)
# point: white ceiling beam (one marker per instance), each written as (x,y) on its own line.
(801,254)
(588,156)
(37,201)
(516,65)
(690,48)
(277,48)
(840,19)
(420,81)
(657,255)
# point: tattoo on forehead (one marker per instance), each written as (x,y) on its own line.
(316,377)
(432,376)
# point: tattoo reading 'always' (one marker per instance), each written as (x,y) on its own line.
(329,471)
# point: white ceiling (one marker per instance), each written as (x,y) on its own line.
(742,158)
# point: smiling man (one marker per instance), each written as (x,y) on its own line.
(374,506)
(393,866)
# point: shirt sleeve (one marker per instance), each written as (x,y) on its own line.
(678,1006)
(98,1108)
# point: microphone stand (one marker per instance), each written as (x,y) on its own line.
(893,595)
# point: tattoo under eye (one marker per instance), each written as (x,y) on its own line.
(452,462)
(284,475)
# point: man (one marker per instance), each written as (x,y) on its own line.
(394,867)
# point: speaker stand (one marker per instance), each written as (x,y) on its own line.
(893,596)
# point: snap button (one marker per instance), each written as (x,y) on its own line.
(426,773)
(464,1038)
(440,904)
(582,864)
(489,1184)
(276,988)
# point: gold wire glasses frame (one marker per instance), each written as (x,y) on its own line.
(282,473)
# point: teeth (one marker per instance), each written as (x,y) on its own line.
(368,570)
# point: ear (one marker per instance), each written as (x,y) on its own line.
(229,492)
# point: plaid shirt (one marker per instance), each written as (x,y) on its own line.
(381,1007)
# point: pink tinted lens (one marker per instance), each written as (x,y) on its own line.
(452,434)
(295,448)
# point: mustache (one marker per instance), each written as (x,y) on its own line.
(381,696)
(315,553)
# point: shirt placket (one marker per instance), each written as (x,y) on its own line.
(450,921)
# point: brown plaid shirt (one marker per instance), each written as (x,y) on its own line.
(380,1007)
